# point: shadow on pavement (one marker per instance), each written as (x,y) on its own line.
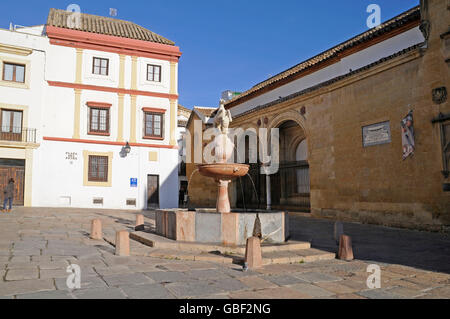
(419,249)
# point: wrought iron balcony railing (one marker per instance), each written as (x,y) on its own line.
(17,134)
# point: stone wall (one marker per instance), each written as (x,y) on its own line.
(374,184)
(202,191)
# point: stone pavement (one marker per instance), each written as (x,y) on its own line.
(37,245)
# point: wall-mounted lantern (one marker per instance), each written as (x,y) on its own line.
(127,148)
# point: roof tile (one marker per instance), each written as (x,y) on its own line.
(104,25)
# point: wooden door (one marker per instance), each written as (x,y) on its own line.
(18,174)
(152,191)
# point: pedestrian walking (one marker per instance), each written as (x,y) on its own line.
(8,195)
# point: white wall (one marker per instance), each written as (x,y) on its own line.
(353,62)
(32,97)
(51,112)
(64,178)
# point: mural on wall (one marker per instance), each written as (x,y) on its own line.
(408,135)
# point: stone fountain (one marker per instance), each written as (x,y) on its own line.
(221,225)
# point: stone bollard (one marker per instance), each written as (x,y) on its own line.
(139,223)
(123,243)
(345,248)
(253,256)
(96,229)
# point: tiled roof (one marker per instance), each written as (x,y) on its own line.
(206,111)
(398,21)
(103,25)
(329,82)
(182,109)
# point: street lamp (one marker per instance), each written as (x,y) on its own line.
(127,148)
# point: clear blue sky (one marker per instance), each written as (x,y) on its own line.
(228,44)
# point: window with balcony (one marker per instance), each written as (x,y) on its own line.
(98,121)
(100,66)
(13,72)
(11,129)
(153,73)
(153,125)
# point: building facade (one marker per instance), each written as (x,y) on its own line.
(106,120)
(343,127)
(183,117)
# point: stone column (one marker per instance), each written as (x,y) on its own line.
(268,195)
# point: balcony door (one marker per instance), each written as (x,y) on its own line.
(11,128)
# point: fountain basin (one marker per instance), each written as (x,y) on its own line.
(225,171)
(228,229)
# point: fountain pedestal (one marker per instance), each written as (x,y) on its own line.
(228,229)
(223,201)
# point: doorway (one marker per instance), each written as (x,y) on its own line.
(13,168)
(152,191)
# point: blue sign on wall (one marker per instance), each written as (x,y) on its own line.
(133,182)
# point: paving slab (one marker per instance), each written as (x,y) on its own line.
(256,282)
(380,293)
(147,291)
(406,292)
(311,290)
(168,276)
(229,284)
(336,287)
(57,294)
(207,274)
(87,282)
(282,293)
(127,279)
(22,274)
(9,288)
(193,288)
(99,293)
(283,280)
(316,277)
(53,273)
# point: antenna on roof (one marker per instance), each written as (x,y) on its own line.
(113,12)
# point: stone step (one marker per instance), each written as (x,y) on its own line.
(156,241)
(296,256)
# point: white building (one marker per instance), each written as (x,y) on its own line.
(88,92)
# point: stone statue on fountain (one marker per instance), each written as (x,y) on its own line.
(223,145)
(223,118)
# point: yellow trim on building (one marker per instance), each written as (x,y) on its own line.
(133,119)
(120,118)
(79,67)
(77,114)
(27,192)
(153,156)
(86,181)
(10,49)
(122,71)
(173,103)
(173,124)
(18,85)
(173,78)
(134,73)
